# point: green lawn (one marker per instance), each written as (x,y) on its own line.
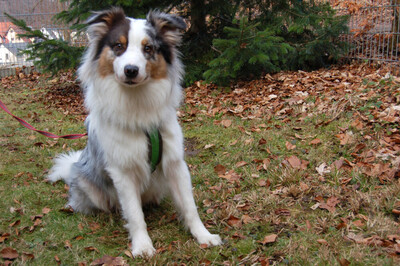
(295,168)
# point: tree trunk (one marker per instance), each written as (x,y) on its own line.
(197,17)
(394,40)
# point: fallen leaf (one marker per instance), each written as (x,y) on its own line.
(203,246)
(9,253)
(294,162)
(128,253)
(46,210)
(57,259)
(358,223)
(343,138)
(91,248)
(241,163)
(264,183)
(290,146)
(315,141)
(27,256)
(269,239)
(220,169)
(16,223)
(226,123)
(208,146)
(322,242)
(323,169)
(109,261)
(247,219)
(330,204)
(283,212)
(343,262)
(234,221)
(4,237)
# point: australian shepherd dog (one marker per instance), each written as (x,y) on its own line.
(131,75)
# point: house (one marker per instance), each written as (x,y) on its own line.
(10,53)
(52,34)
(9,33)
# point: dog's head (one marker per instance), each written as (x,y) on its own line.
(134,51)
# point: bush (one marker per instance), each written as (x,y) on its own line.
(314,31)
(247,52)
(304,36)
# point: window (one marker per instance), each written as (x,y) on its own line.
(7,56)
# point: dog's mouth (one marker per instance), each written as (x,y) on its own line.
(130,82)
(134,82)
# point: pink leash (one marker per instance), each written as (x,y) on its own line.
(47,134)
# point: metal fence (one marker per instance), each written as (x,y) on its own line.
(374,29)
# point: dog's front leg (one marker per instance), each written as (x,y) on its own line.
(129,196)
(181,191)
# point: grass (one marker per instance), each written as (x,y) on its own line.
(243,205)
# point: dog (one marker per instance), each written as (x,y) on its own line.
(131,75)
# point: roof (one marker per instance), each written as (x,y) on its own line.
(5,27)
(15,47)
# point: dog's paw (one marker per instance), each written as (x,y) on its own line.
(210,240)
(143,251)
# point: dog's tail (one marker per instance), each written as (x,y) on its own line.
(62,166)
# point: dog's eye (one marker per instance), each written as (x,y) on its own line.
(148,48)
(118,46)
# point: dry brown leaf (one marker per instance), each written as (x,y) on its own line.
(27,256)
(315,141)
(91,248)
(269,239)
(220,169)
(294,162)
(9,253)
(290,146)
(46,210)
(262,141)
(247,219)
(358,223)
(226,123)
(234,221)
(241,163)
(344,138)
(322,242)
(109,261)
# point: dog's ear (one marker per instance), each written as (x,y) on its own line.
(167,26)
(102,21)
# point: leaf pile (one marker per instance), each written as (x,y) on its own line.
(359,90)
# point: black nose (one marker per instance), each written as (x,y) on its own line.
(131,71)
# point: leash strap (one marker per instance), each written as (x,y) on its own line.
(155,148)
(45,133)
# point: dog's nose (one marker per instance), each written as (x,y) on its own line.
(131,71)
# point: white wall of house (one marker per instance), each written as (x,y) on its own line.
(12,36)
(6,56)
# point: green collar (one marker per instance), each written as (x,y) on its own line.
(155,148)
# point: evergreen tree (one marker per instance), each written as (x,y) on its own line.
(271,35)
(247,52)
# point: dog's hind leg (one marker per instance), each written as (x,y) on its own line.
(86,197)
